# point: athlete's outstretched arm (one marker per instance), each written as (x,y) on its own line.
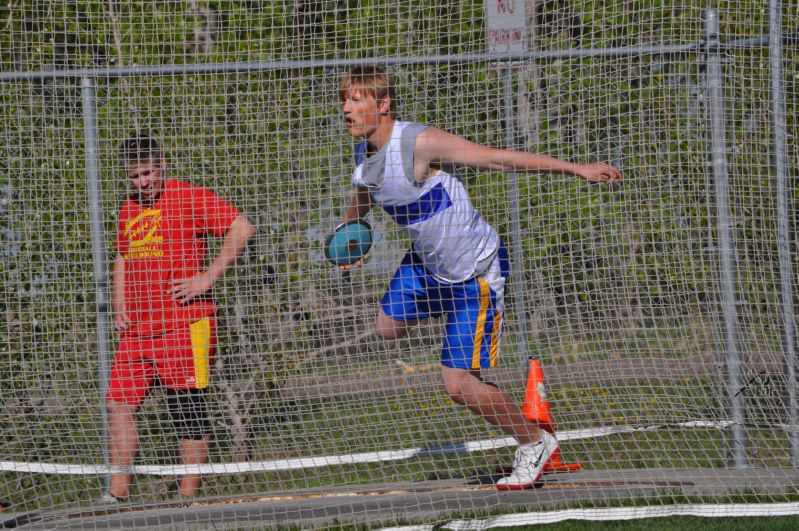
(434,147)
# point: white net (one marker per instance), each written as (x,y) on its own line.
(618,291)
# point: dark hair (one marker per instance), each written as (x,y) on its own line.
(139,149)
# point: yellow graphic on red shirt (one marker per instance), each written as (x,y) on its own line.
(142,235)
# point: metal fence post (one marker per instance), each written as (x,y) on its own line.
(516,253)
(780,161)
(718,133)
(98,250)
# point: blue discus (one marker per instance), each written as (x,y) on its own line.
(349,242)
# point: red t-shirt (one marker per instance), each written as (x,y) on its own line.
(163,242)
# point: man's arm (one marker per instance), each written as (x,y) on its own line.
(121,320)
(359,206)
(435,147)
(234,244)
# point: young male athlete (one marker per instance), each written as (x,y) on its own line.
(457,265)
(163,308)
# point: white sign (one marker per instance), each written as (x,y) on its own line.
(506,26)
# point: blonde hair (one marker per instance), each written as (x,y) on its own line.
(371,80)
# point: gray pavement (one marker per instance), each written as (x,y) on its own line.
(422,502)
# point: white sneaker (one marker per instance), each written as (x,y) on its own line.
(528,465)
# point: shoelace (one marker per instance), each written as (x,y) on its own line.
(533,460)
(520,459)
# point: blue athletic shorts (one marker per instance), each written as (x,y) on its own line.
(474,308)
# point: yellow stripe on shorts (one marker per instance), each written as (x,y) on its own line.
(201,347)
(495,333)
(481,322)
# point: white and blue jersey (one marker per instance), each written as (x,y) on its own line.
(457,264)
(450,236)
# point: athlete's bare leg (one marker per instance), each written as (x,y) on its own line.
(123,445)
(388,328)
(496,407)
(192,452)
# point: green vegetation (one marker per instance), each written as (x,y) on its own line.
(608,275)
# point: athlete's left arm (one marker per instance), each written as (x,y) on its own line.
(435,147)
(234,244)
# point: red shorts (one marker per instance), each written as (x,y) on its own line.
(181,358)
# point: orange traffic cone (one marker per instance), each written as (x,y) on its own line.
(535,408)
(534,405)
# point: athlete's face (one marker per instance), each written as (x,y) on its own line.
(363,113)
(148,179)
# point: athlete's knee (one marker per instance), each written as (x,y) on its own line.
(388,332)
(463,385)
(189,413)
(116,408)
(388,328)
(456,383)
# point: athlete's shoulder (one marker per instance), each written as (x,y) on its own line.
(406,123)
(186,189)
(401,125)
(176,185)
(407,133)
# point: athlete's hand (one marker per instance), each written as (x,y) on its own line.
(185,289)
(121,321)
(358,263)
(599,172)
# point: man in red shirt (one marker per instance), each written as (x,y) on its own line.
(163,310)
